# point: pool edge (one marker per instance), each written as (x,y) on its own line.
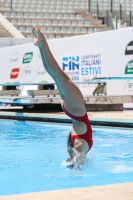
(108,120)
(123,191)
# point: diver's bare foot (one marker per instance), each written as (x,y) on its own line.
(38,36)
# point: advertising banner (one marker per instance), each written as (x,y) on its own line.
(103,54)
(21,64)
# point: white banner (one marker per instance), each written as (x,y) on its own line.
(104,54)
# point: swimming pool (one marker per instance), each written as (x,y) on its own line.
(32,156)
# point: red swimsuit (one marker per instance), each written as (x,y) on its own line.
(86,136)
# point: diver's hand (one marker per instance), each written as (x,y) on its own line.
(70,163)
(38,36)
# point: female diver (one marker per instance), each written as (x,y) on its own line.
(80,138)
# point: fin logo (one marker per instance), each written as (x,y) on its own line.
(70,63)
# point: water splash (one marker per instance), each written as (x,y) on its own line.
(122,169)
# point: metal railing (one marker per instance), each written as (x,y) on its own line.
(121,16)
(97,10)
(11,3)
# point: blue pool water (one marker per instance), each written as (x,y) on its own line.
(32,156)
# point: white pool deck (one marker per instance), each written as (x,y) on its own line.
(105,118)
(123,191)
(107,192)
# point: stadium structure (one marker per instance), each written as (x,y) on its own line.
(62,18)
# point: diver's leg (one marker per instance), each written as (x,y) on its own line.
(73,98)
(47,69)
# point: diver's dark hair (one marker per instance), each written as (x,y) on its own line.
(70,146)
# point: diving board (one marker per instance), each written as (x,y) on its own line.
(114,99)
